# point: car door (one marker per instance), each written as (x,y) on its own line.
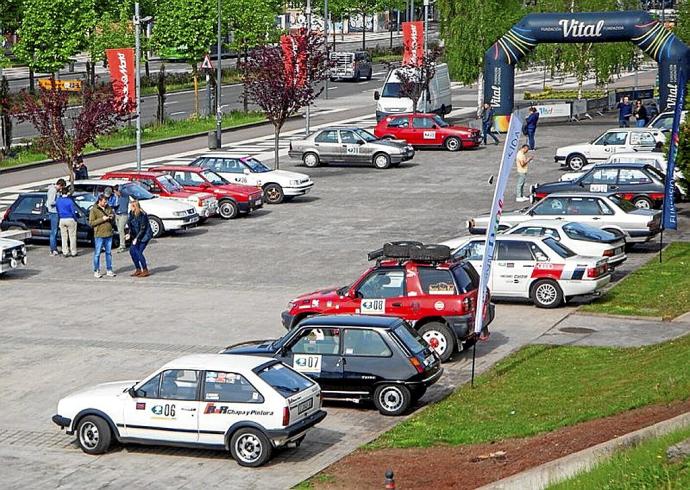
(191,181)
(227,398)
(327,145)
(551,208)
(607,144)
(604,179)
(165,407)
(366,359)
(586,210)
(634,180)
(381,292)
(315,352)
(642,141)
(426,131)
(512,268)
(233,170)
(399,127)
(352,147)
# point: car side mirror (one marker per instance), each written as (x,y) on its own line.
(360,142)
(205,185)
(377,95)
(581,184)
(132,392)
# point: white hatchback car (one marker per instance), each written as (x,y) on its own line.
(603,146)
(536,268)
(581,238)
(246,404)
(278,185)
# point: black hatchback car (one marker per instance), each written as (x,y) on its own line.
(640,183)
(357,357)
(29,212)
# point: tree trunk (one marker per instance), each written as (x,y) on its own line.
(364,31)
(245,97)
(32,81)
(146,68)
(195,74)
(276,139)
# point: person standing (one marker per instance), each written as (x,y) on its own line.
(140,232)
(522,161)
(531,124)
(624,112)
(68,214)
(121,207)
(101,220)
(487,116)
(54,190)
(81,172)
(640,113)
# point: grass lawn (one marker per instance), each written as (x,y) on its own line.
(654,289)
(644,466)
(154,132)
(542,388)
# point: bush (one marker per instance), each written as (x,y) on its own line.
(550,94)
(683,152)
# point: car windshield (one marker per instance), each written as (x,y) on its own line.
(85,201)
(441,123)
(365,135)
(169,184)
(136,191)
(391,89)
(657,173)
(255,165)
(559,248)
(214,178)
(410,338)
(626,206)
(285,381)
(580,231)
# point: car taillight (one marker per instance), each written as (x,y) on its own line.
(286,416)
(6,215)
(467,304)
(199,202)
(608,253)
(418,365)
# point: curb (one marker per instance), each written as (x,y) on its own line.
(581,461)
(620,317)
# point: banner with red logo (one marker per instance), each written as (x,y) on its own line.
(121,65)
(413,42)
(294,58)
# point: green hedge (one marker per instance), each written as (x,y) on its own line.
(550,94)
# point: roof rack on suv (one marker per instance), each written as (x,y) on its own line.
(411,250)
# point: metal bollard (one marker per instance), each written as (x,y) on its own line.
(389,481)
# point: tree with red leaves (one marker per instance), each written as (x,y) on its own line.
(281,79)
(415,77)
(63,138)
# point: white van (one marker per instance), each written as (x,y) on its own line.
(439,100)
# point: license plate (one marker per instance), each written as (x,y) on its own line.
(258,202)
(429,361)
(304,406)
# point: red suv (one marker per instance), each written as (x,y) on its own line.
(427,130)
(419,283)
(233,199)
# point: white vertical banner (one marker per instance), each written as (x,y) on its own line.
(510,150)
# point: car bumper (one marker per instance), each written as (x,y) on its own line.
(283,436)
(206,211)
(641,236)
(61,421)
(426,381)
(13,262)
(559,159)
(248,207)
(181,223)
(295,154)
(617,260)
(580,288)
(299,190)
(463,325)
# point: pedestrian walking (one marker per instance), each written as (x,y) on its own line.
(487,116)
(522,161)
(624,112)
(54,190)
(531,124)
(81,172)
(640,113)
(101,219)
(140,232)
(121,207)
(68,214)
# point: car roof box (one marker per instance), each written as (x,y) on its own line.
(404,250)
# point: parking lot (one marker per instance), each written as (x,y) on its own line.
(226,282)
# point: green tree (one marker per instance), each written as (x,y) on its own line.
(109,32)
(682,27)
(52,31)
(189,28)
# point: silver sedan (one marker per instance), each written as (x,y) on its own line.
(350,145)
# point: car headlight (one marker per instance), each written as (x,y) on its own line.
(180,213)
(294,182)
(290,305)
(15,253)
(24,249)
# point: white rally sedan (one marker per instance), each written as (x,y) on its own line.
(278,185)
(581,238)
(536,268)
(245,404)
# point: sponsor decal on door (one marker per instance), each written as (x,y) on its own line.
(373,307)
(307,363)
(429,135)
(598,188)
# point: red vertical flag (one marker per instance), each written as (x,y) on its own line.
(121,65)
(413,42)
(294,48)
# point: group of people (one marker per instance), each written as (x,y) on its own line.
(631,114)
(114,210)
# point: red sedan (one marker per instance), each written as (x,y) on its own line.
(233,199)
(427,130)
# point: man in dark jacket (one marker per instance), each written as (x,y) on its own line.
(625,110)
(121,208)
(487,121)
(531,124)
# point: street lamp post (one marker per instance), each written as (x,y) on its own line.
(426,26)
(137,55)
(325,35)
(219,82)
(307,13)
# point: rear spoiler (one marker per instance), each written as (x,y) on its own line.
(248,342)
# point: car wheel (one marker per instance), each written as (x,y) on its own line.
(273,194)
(93,435)
(311,160)
(382,161)
(157,228)
(440,338)
(392,400)
(452,144)
(228,209)
(642,202)
(250,447)
(575,162)
(547,293)
(371,72)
